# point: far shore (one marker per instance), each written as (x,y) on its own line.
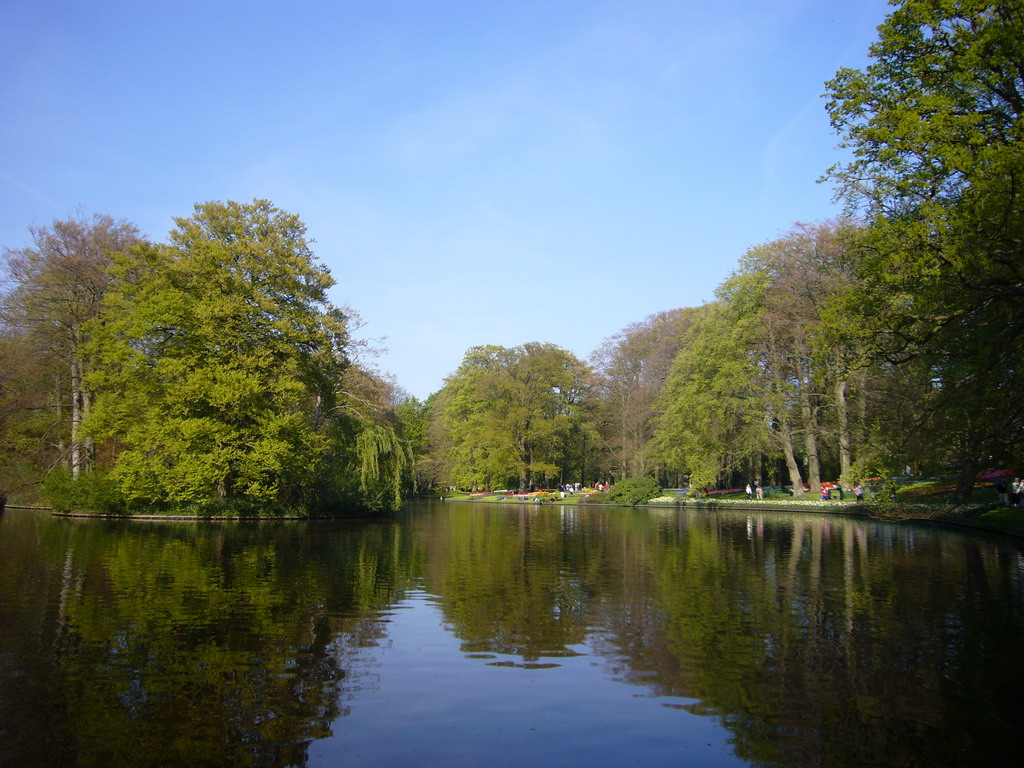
(980,517)
(976,517)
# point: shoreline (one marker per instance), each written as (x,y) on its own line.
(852,509)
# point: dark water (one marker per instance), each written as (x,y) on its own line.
(462,635)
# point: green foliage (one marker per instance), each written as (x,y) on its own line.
(513,416)
(632,366)
(54,290)
(219,368)
(413,423)
(382,457)
(634,490)
(212,356)
(706,417)
(936,124)
(96,492)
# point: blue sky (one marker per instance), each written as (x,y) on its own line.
(473,172)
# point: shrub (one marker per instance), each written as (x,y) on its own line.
(92,492)
(634,490)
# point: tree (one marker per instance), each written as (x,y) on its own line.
(632,367)
(803,270)
(371,453)
(414,418)
(709,414)
(220,359)
(57,287)
(31,430)
(514,415)
(935,126)
(753,378)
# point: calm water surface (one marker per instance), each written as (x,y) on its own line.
(465,635)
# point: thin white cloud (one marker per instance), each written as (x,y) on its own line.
(50,202)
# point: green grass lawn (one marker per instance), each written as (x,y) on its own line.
(1006,519)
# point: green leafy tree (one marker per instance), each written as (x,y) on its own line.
(801,272)
(753,379)
(935,125)
(219,359)
(370,454)
(33,419)
(710,413)
(414,419)
(515,415)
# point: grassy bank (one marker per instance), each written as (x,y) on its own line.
(930,499)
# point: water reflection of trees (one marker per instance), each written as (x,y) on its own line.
(813,639)
(231,647)
(508,582)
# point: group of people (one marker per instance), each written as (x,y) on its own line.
(826,493)
(571,488)
(1012,496)
(857,490)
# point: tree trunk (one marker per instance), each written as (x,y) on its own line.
(623,436)
(810,438)
(968,469)
(844,432)
(781,425)
(794,469)
(524,475)
(862,407)
(88,444)
(76,416)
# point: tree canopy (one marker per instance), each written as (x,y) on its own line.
(56,289)
(216,355)
(935,126)
(210,370)
(515,415)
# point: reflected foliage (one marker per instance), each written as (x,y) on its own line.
(807,637)
(230,646)
(813,640)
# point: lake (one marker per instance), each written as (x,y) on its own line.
(466,635)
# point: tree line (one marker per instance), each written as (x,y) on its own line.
(210,370)
(213,367)
(887,339)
